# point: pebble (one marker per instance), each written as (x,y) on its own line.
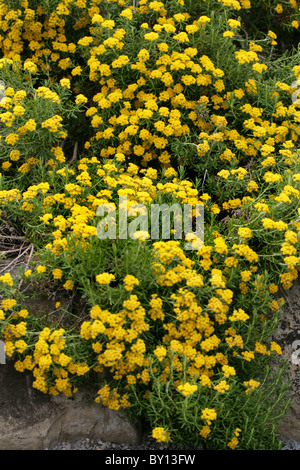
(149,444)
(291,445)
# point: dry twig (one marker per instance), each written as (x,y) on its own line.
(28,261)
(13,262)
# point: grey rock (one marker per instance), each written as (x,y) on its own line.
(287,335)
(30,420)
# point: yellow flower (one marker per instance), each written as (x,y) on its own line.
(272,36)
(204,19)
(105,278)
(8,304)
(110,24)
(222,386)
(65,82)
(122,60)
(251,385)
(233,443)
(190,29)
(224,174)
(245,232)
(41,269)
(7,279)
(248,355)
(30,66)
(85,41)
(23,313)
(205,430)
(181,37)
(160,352)
(68,285)
(76,71)
(127,13)
(151,36)
(11,139)
(141,235)
(228,370)
(81,99)
(130,281)
(64,360)
(53,123)
(275,347)
(18,110)
(209,415)
(20,345)
(160,434)
(239,315)
(259,67)
(233,23)
(57,273)
(228,34)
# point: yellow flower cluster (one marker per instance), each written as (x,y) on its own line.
(148,113)
(104,278)
(187,389)
(234,441)
(251,385)
(111,398)
(130,281)
(160,434)
(7,279)
(52,368)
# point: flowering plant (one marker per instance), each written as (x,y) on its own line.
(164,102)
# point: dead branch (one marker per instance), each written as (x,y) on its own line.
(13,262)
(28,261)
(75,151)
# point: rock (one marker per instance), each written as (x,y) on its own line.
(30,420)
(287,335)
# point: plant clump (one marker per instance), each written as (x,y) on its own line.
(123,105)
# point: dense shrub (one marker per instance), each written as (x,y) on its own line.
(156,102)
